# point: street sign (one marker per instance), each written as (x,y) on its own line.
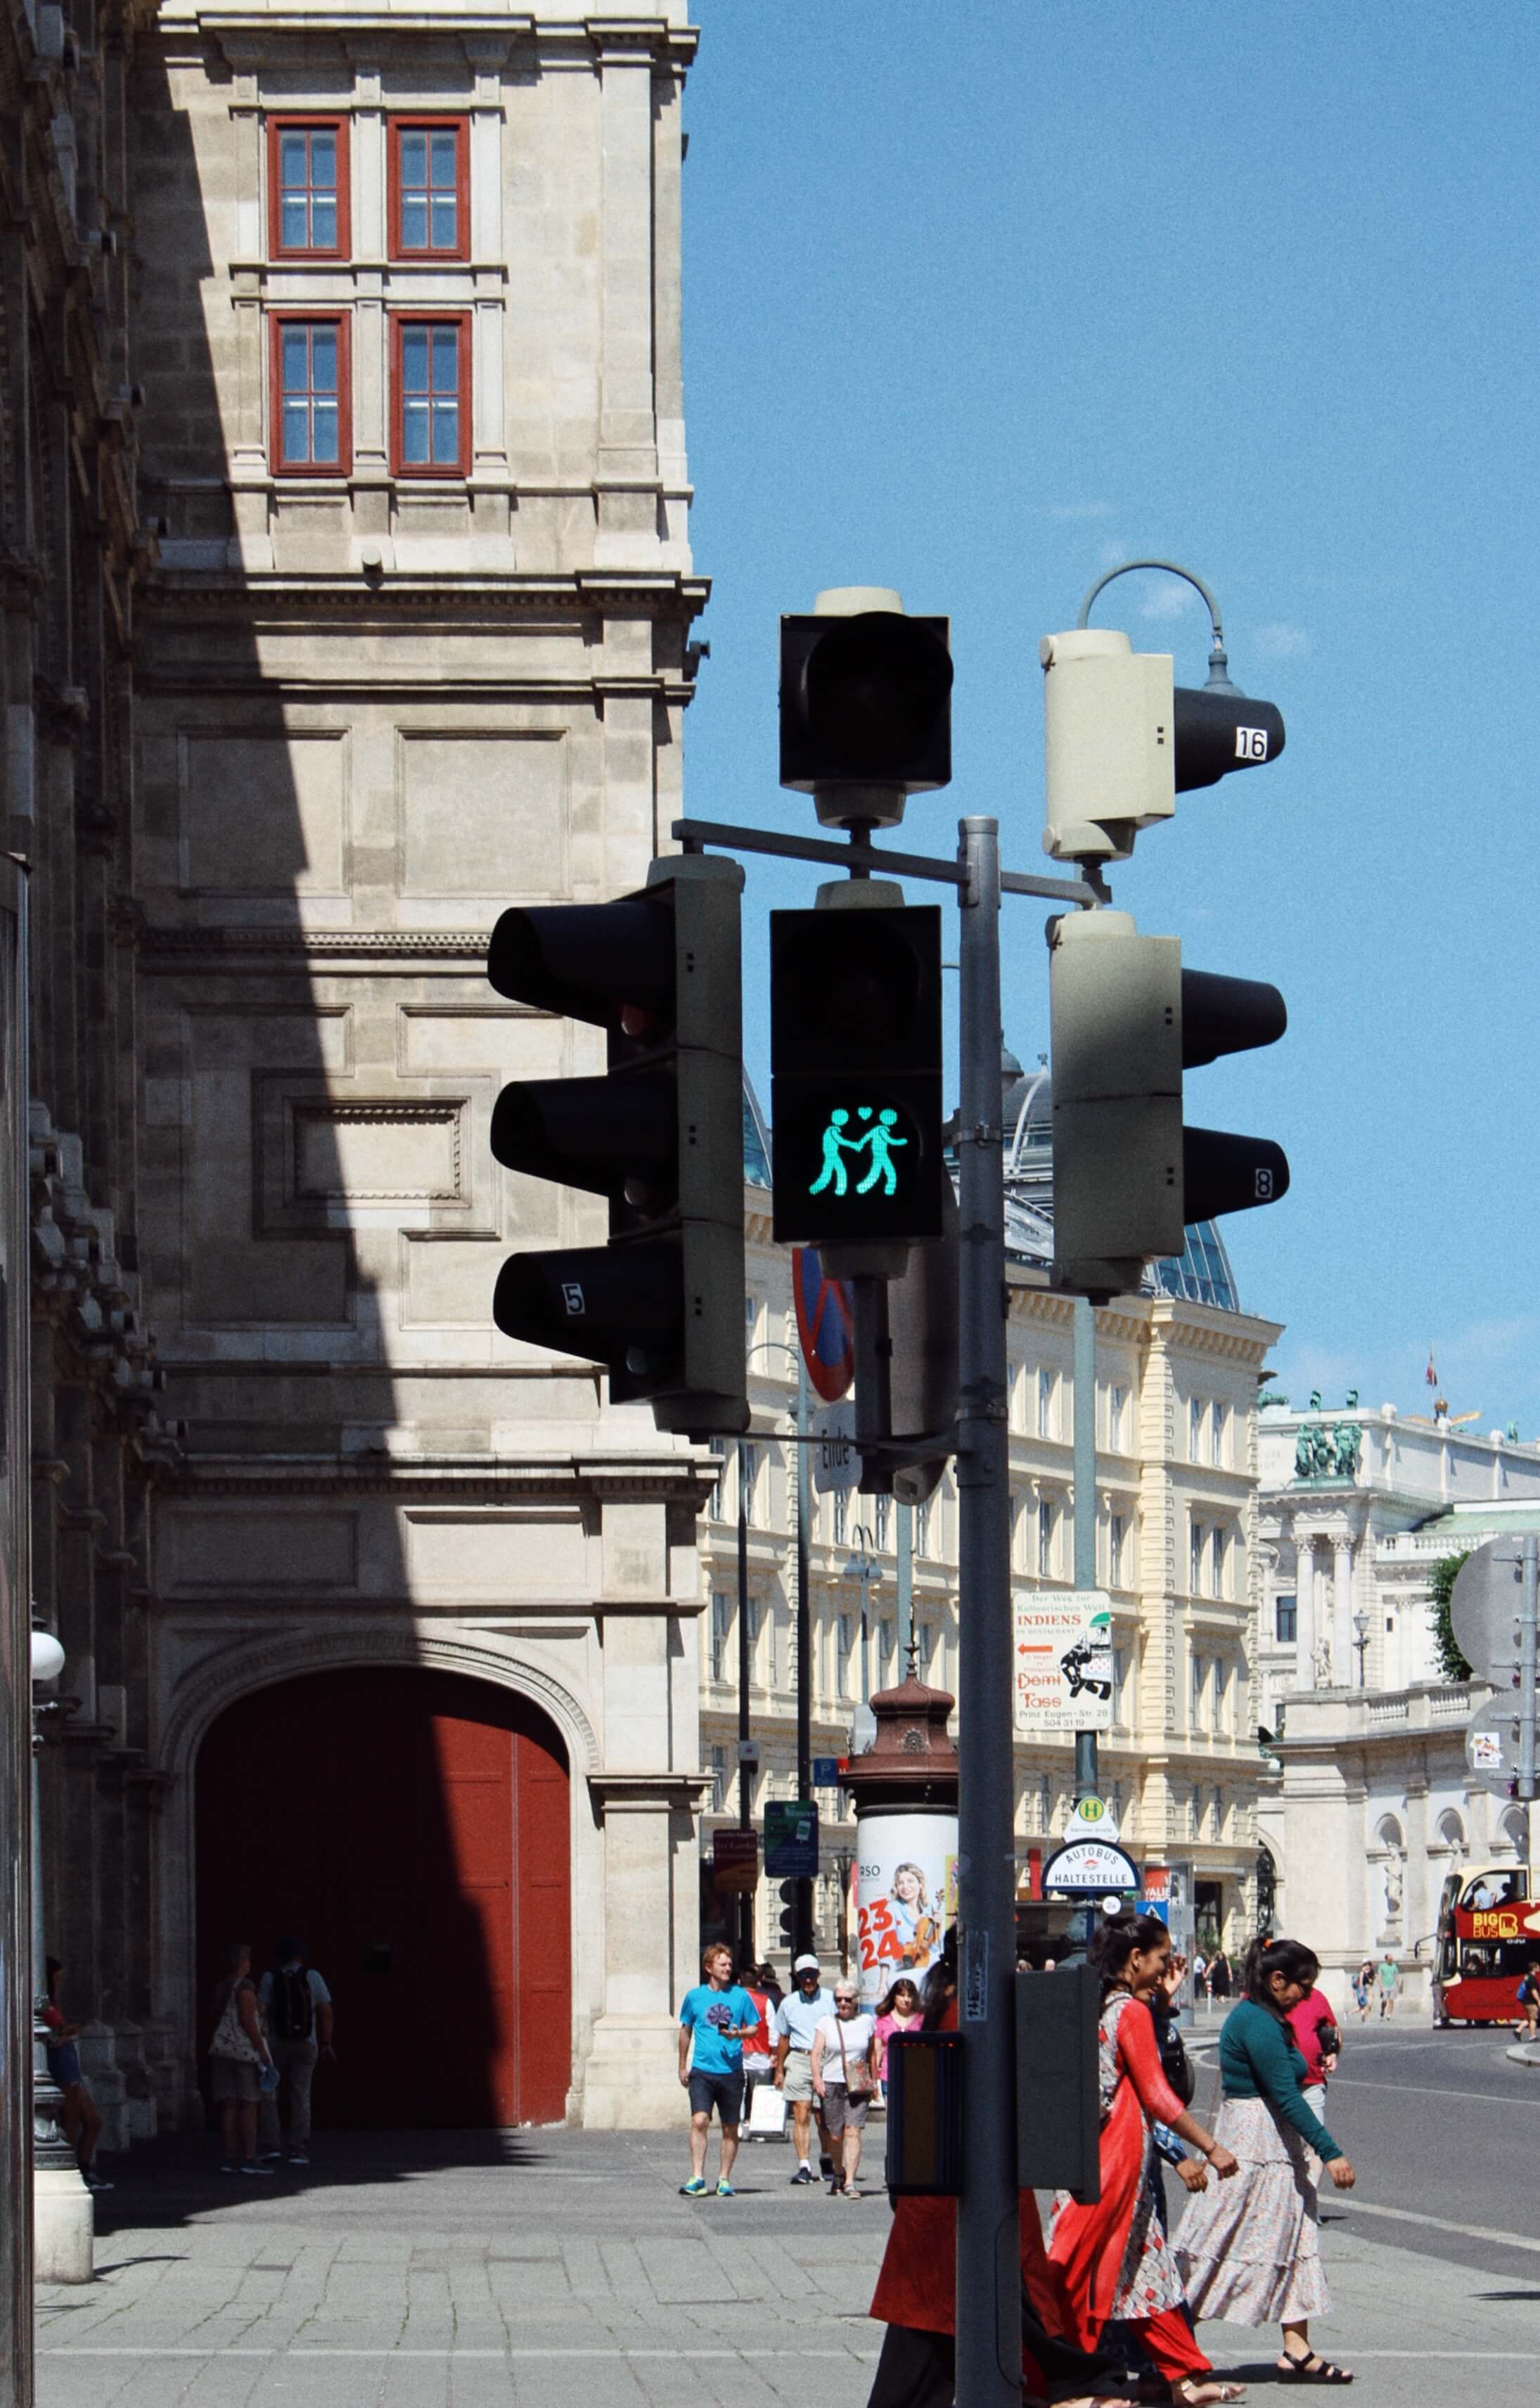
(826,1324)
(1092,1818)
(826,1772)
(1491,1746)
(836,1466)
(735,1859)
(1064,1660)
(791,1840)
(1090,1869)
(1484,1606)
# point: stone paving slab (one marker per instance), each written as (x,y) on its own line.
(395,2278)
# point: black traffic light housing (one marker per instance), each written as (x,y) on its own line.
(866,706)
(1218,730)
(659,1135)
(1128,1177)
(855,1049)
(789,1911)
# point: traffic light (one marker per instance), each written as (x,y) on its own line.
(659,1135)
(1123,741)
(865,706)
(855,1054)
(789,1912)
(1126,1020)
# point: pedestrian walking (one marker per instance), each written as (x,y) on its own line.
(1250,2252)
(82,2116)
(299,2017)
(1314,2023)
(1388,1976)
(771,1986)
(1529,2000)
(759,2061)
(844,2065)
(797,2019)
(1200,1976)
(1363,1983)
(1113,2257)
(916,2295)
(238,2056)
(713,2020)
(1221,1977)
(899,2011)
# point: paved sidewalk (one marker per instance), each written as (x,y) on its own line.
(424,2270)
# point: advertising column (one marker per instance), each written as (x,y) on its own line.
(906,1792)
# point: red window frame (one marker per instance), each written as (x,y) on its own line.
(342,321)
(400,465)
(460,127)
(278,248)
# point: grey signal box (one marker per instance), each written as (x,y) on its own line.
(1116,1005)
(1058,2082)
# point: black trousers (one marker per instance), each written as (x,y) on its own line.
(918,2370)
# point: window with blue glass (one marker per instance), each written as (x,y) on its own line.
(308,214)
(312,432)
(430,193)
(431,416)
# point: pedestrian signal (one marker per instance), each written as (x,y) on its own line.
(855,1038)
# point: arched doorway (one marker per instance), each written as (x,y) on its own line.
(411,1828)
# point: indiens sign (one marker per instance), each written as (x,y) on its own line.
(1064,1660)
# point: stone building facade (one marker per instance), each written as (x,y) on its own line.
(1177,1547)
(359,595)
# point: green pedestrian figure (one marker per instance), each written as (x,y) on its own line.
(835,1145)
(881,1141)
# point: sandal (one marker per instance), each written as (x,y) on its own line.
(1195,2391)
(1314,2369)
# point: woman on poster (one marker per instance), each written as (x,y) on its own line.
(1113,2257)
(916,1925)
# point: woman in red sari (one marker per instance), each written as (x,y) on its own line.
(1113,2258)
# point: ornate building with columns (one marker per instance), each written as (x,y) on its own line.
(348,599)
(1376,1804)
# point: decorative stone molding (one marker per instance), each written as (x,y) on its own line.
(296,1650)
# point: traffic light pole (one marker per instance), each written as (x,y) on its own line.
(746,1770)
(1529,1670)
(1087,1769)
(805,1647)
(989,2276)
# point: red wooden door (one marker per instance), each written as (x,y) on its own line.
(411,1828)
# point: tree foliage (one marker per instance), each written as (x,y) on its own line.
(1446,1646)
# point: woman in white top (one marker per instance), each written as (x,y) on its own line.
(845,2053)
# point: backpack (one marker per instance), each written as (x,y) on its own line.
(291,2009)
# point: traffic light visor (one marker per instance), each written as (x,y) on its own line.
(591,962)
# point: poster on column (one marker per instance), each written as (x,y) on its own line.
(1064,1660)
(905,1897)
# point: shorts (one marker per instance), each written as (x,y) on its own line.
(63,2063)
(231,2078)
(724,2091)
(799,2075)
(841,2113)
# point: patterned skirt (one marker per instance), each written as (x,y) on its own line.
(1249,2249)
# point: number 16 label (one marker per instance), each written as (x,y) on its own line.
(1250,743)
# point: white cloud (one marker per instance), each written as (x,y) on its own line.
(1171,599)
(1280,640)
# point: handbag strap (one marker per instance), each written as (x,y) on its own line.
(843,2064)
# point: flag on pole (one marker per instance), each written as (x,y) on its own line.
(1430,1374)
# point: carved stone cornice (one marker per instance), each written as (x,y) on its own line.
(674,1480)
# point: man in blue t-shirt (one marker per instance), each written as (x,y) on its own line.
(714,2018)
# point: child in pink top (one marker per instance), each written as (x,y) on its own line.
(898,2012)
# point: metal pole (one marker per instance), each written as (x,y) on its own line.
(804,1910)
(746,1770)
(906,1586)
(1087,1767)
(1529,1648)
(989,2275)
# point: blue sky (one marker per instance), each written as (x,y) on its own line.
(982,298)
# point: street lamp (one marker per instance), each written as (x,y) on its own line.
(1361,1641)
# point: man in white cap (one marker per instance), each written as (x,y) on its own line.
(797,2019)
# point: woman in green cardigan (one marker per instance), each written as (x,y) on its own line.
(1249,2250)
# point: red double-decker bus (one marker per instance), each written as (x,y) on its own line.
(1488,1936)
